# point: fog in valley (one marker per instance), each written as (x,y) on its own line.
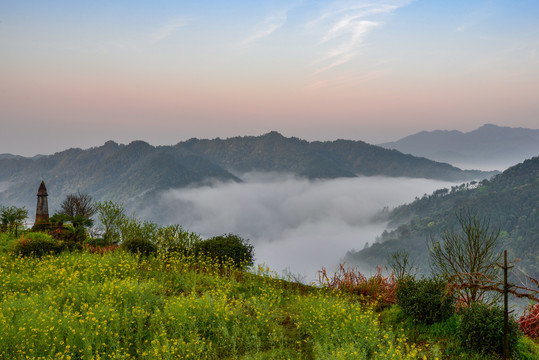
(296,225)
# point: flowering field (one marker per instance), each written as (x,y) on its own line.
(118,306)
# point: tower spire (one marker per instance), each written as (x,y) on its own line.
(42,208)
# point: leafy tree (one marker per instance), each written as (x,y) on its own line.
(466,255)
(175,238)
(74,233)
(111,215)
(12,217)
(78,204)
(133,228)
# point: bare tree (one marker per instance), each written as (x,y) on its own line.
(401,265)
(466,254)
(78,204)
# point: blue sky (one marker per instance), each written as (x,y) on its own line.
(165,71)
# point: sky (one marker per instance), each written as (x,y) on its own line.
(79,73)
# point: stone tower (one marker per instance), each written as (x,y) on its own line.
(42,209)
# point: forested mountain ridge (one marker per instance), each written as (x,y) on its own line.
(129,173)
(490,145)
(510,201)
(112,171)
(330,159)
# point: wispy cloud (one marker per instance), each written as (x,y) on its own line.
(345,27)
(168,29)
(268,26)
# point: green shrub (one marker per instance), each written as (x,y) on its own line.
(227,248)
(445,329)
(481,329)
(6,242)
(96,242)
(139,246)
(70,230)
(37,244)
(527,349)
(425,300)
(174,239)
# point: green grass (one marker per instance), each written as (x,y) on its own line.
(442,337)
(119,306)
(81,305)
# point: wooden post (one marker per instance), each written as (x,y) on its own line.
(505,308)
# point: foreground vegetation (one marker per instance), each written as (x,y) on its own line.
(508,200)
(117,305)
(121,306)
(144,291)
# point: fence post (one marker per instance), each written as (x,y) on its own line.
(505,308)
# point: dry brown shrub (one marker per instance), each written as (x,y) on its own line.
(375,289)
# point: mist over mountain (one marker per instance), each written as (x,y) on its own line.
(510,201)
(133,174)
(296,224)
(488,147)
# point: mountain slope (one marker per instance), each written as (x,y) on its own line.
(135,172)
(331,159)
(117,172)
(490,146)
(510,201)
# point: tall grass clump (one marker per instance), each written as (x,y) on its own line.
(6,242)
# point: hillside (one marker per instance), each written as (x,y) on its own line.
(119,172)
(489,146)
(118,306)
(331,159)
(133,173)
(510,200)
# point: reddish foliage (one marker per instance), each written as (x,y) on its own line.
(24,240)
(377,288)
(462,301)
(100,249)
(529,322)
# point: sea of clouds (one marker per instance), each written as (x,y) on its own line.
(296,225)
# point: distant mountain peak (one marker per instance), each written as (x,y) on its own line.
(139,144)
(273,134)
(490,126)
(110,144)
(489,146)
(10,156)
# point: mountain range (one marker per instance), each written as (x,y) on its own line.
(488,147)
(509,202)
(135,172)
